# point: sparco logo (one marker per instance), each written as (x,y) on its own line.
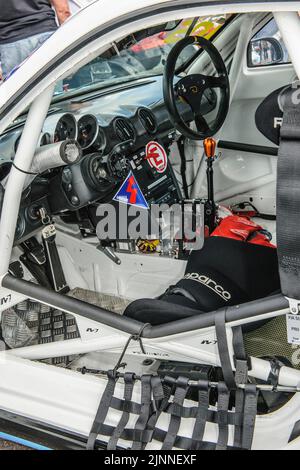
(206,281)
(5,300)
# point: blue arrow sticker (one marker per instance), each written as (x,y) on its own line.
(131,194)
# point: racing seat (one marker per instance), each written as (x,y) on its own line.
(225,272)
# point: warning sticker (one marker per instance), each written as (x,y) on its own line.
(130,193)
(293,329)
(156,156)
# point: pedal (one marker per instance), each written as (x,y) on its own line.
(34,259)
(34,251)
(16,269)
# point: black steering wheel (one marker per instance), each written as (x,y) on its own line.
(190,89)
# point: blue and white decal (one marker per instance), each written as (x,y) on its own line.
(131,194)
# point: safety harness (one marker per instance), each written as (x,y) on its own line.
(288,198)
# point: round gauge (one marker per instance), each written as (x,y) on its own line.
(66,128)
(45,139)
(88,130)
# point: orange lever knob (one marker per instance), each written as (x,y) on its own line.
(210,146)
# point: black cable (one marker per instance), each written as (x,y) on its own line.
(136,337)
(23,171)
(185,186)
(243,205)
(189,185)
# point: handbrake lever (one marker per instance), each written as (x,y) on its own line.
(210,146)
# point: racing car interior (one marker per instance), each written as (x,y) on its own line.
(186,114)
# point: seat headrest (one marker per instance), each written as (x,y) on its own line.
(268,116)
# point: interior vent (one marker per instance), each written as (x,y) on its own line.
(148,120)
(124,129)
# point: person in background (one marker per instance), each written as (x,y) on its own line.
(25,25)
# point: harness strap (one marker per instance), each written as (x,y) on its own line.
(139,441)
(102,410)
(202,414)
(223,405)
(160,401)
(250,412)
(220,324)
(288,197)
(129,381)
(273,377)
(180,291)
(239,410)
(182,385)
(242,360)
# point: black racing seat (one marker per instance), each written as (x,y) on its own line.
(225,272)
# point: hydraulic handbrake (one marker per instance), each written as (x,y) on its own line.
(210,207)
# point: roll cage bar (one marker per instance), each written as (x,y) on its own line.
(277,304)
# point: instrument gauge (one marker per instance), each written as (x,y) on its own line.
(88,131)
(66,128)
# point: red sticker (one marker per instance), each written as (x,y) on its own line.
(157,156)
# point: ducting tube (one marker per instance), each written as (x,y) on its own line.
(51,156)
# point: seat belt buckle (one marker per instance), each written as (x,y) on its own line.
(294,306)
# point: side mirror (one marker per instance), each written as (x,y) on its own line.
(264,51)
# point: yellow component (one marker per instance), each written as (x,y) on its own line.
(147,246)
(205,27)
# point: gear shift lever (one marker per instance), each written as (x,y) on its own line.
(210,208)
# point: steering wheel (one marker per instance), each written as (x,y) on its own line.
(190,89)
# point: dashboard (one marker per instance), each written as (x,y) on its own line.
(113,127)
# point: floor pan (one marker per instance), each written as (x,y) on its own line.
(30,322)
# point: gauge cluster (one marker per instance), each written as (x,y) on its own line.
(110,150)
(93,134)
